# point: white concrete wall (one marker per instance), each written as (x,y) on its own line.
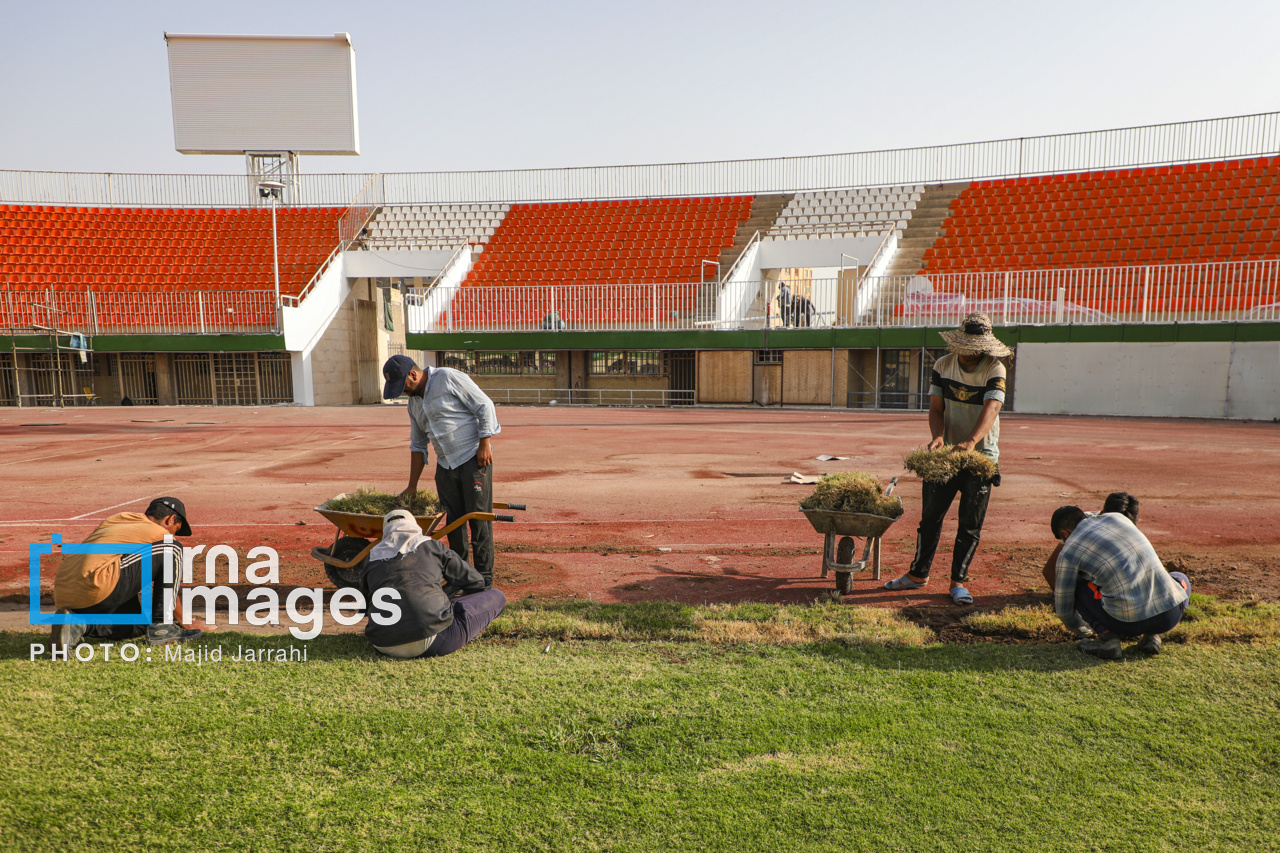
(403,263)
(305,325)
(433,314)
(740,290)
(1190,380)
(816,251)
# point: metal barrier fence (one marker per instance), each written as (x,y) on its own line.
(590,397)
(160,312)
(1150,145)
(1185,293)
(361,210)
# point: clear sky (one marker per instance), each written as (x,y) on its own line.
(500,85)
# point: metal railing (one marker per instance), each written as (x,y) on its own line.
(1184,293)
(590,396)
(1244,291)
(362,208)
(351,224)
(98,312)
(1149,145)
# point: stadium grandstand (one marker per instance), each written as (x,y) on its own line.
(1135,271)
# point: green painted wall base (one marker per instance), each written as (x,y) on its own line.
(895,337)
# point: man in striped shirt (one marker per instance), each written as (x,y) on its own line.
(111,584)
(1110,575)
(966,394)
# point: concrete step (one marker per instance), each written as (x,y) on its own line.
(923,230)
(764,212)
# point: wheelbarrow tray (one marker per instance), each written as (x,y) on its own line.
(369,526)
(848,523)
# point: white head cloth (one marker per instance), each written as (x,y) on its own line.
(400,535)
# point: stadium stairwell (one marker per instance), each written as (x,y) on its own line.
(921,233)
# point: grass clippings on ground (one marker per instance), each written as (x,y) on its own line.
(374,502)
(939,466)
(723,624)
(1206,620)
(853,491)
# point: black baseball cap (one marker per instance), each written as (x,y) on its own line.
(160,507)
(396,371)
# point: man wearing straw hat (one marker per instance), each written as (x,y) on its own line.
(966,393)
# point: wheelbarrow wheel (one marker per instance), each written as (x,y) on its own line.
(845,550)
(345,549)
(844,582)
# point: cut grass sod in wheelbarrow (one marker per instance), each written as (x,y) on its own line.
(359,516)
(854,491)
(848,505)
(373,502)
(939,466)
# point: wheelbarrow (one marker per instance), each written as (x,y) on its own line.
(839,558)
(358,532)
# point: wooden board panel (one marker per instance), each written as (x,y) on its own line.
(368,369)
(768,384)
(806,377)
(725,376)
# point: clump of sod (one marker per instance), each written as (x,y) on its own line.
(374,502)
(852,492)
(939,466)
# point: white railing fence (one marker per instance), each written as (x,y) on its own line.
(1246,291)
(361,210)
(1185,293)
(590,397)
(97,312)
(1150,145)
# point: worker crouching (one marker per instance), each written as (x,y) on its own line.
(426,576)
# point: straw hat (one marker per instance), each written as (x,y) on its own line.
(974,337)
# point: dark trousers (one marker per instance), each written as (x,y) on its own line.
(465,489)
(1089,606)
(935,499)
(126,598)
(471,615)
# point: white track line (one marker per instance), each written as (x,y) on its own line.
(104,509)
(71,452)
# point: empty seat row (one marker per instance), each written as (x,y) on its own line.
(70,247)
(1163,215)
(623,241)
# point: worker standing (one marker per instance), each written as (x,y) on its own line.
(966,393)
(448,409)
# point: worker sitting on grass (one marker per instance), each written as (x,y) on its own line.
(425,574)
(112,583)
(1109,574)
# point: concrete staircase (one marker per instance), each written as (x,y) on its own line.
(925,227)
(765,210)
(922,231)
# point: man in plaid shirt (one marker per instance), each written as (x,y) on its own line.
(1109,574)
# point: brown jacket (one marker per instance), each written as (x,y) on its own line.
(84,580)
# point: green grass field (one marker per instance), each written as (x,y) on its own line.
(646,744)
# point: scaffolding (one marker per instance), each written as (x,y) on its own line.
(47,364)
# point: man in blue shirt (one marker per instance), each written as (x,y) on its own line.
(448,409)
(1109,574)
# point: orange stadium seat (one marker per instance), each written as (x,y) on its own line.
(162,248)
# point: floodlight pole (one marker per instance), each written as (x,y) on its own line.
(271,189)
